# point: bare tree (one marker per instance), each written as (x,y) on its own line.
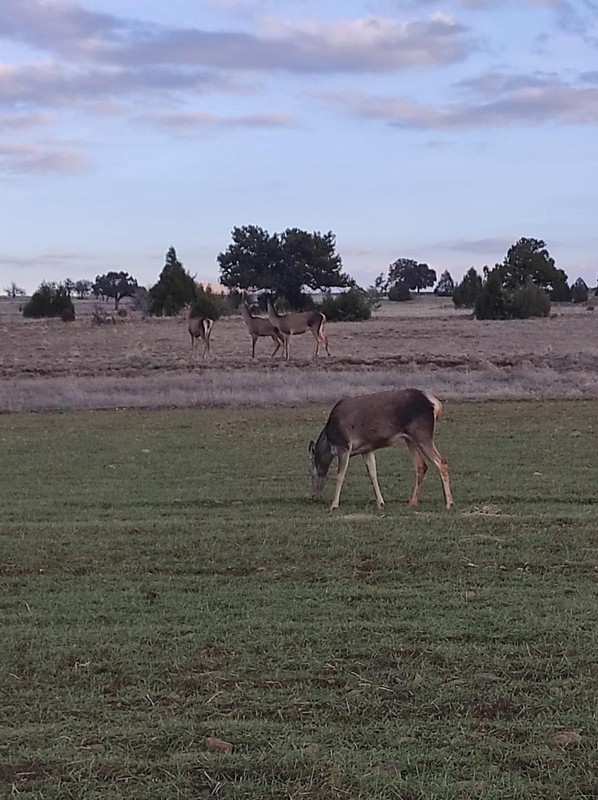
(14,291)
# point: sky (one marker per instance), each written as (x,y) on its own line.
(439,130)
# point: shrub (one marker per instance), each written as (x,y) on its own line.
(527,301)
(68,314)
(465,293)
(209,304)
(399,292)
(496,302)
(140,300)
(579,291)
(50,300)
(489,302)
(353,305)
(446,285)
(561,293)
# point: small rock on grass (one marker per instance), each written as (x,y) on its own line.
(214,743)
(566,738)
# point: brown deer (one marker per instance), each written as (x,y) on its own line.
(299,322)
(360,425)
(259,326)
(200,328)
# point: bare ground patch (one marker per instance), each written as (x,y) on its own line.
(47,365)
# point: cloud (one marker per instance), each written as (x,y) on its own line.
(492,244)
(50,259)
(40,159)
(371,44)
(22,122)
(192,122)
(516,101)
(53,84)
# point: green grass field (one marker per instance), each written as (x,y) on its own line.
(164,579)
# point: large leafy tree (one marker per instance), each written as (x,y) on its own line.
(529,259)
(283,263)
(115,285)
(174,289)
(415,275)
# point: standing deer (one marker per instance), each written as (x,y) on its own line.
(299,322)
(258,326)
(200,328)
(360,425)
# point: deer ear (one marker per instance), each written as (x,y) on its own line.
(312,448)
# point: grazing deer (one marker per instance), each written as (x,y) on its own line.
(258,326)
(360,425)
(200,328)
(299,322)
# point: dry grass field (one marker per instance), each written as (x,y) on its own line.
(48,365)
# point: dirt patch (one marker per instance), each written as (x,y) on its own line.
(50,365)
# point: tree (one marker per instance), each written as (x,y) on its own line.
(399,291)
(465,293)
(174,289)
(529,258)
(446,285)
(114,284)
(82,288)
(579,291)
(50,300)
(416,276)
(14,291)
(284,264)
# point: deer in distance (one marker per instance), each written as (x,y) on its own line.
(259,326)
(199,328)
(360,425)
(299,322)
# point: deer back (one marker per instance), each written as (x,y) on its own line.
(371,422)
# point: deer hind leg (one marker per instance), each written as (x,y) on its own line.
(317,338)
(370,464)
(343,463)
(419,462)
(287,340)
(253,341)
(429,449)
(325,343)
(276,341)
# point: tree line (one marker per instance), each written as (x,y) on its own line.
(287,267)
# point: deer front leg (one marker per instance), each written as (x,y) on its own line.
(370,464)
(343,463)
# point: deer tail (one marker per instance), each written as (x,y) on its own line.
(436,405)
